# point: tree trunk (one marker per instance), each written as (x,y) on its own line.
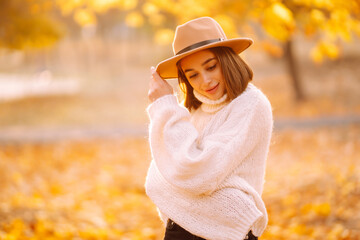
(293,70)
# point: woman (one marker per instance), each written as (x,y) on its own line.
(209,153)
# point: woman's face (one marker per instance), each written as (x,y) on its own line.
(203,71)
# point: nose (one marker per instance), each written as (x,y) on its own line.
(206,78)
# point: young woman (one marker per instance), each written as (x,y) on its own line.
(209,153)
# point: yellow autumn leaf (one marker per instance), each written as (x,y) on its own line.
(273,49)
(17,227)
(93,233)
(298,229)
(355,25)
(316,55)
(110,217)
(340,24)
(10,236)
(324,49)
(42,227)
(227,24)
(102,6)
(56,189)
(127,5)
(330,50)
(322,209)
(134,19)
(279,21)
(306,208)
(84,17)
(282,13)
(317,17)
(340,15)
(164,36)
(68,6)
(326,4)
(149,9)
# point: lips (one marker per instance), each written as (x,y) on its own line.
(213,90)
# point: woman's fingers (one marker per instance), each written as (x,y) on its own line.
(152,70)
(155,75)
(158,87)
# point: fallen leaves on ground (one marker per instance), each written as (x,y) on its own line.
(313,184)
(94,189)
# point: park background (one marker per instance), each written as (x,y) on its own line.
(73,127)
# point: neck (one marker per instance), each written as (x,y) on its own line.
(210,106)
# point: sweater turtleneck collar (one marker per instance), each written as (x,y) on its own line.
(210,106)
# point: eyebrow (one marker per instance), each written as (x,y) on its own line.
(210,59)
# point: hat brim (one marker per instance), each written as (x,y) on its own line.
(167,68)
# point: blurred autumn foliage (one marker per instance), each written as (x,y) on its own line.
(329,23)
(26,24)
(273,24)
(94,189)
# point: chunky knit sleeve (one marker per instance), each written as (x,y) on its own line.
(200,168)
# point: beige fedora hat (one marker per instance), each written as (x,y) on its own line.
(195,35)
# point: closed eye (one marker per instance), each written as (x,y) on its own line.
(212,67)
(194,75)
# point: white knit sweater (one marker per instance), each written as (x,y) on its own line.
(208,168)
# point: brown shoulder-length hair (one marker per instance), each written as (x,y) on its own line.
(236,74)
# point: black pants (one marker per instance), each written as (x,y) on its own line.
(176,232)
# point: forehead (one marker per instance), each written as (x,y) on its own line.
(196,60)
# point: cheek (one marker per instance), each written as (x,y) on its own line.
(219,74)
(195,84)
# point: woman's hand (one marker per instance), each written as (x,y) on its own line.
(158,87)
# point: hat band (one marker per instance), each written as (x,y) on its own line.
(199,44)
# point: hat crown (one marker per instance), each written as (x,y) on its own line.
(196,31)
